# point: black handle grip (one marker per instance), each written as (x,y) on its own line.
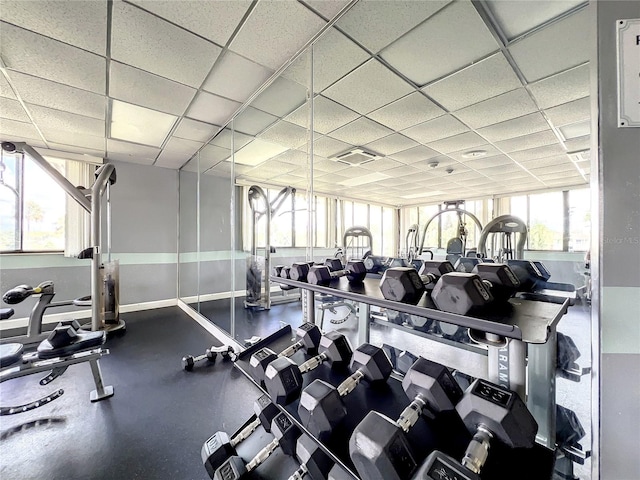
(17,294)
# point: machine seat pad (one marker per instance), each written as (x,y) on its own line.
(10,353)
(6,313)
(65,340)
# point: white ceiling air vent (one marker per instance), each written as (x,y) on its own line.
(355,157)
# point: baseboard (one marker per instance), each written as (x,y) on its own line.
(210,327)
(84,314)
(212,296)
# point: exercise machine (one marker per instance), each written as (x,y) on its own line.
(104,276)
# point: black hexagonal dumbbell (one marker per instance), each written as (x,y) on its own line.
(283,377)
(314,463)
(459,292)
(378,446)
(406,285)
(285,437)
(210,354)
(321,407)
(308,338)
(355,271)
(219,447)
(299,271)
(489,412)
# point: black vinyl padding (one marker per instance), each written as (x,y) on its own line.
(10,353)
(6,313)
(82,341)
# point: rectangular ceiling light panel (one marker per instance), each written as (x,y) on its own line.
(257,152)
(364,179)
(355,157)
(139,125)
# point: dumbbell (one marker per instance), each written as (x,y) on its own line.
(489,412)
(210,354)
(308,336)
(355,271)
(532,275)
(299,271)
(466,264)
(314,463)
(219,447)
(459,292)
(378,445)
(406,285)
(283,377)
(285,436)
(321,407)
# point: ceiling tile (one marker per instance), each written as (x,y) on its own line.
(83,24)
(391,144)
(147,42)
(490,150)
(257,152)
(212,108)
(81,140)
(327,115)
(131,152)
(79,152)
(286,134)
(377,23)
(547,161)
(11,129)
(253,121)
(411,110)
(12,110)
(441,127)
(360,131)
(368,87)
(327,166)
(475,83)
(539,139)
(334,55)
(5,89)
(381,165)
(140,125)
(281,98)
(147,90)
(415,154)
(225,138)
(38,91)
(294,157)
(211,155)
(555,48)
(328,8)
(562,88)
(275,31)
(247,77)
(571,112)
(457,142)
(513,104)
(36,55)
(536,153)
(47,118)
(213,20)
(194,130)
(436,48)
(494,161)
(176,152)
(517,127)
(328,147)
(576,144)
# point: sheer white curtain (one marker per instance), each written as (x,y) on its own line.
(77,220)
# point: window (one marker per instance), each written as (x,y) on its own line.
(546,218)
(33,207)
(579,220)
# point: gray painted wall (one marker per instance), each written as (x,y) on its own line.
(619,257)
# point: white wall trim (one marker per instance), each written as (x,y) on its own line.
(212,296)
(210,327)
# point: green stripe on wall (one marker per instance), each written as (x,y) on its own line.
(18,261)
(620,322)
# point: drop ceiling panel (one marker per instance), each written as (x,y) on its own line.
(507,168)
(77,139)
(47,118)
(360,132)
(328,147)
(42,92)
(275,31)
(375,24)
(327,166)
(12,129)
(83,24)
(211,155)
(286,134)
(475,83)
(537,153)
(131,152)
(77,153)
(457,142)
(571,112)
(281,98)
(36,55)
(224,139)
(490,150)
(140,125)
(381,165)
(211,108)
(194,130)
(328,8)
(555,48)
(487,162)
(545,162)
(257,152)
(437,48)
(213,20)
(294,157)
(253,121)
(391,144)
(12,110)
(408,111)
(415,154)
(147,42)
(507,106)
(5,89)
(147,90)
(441,127)
(580,143)
(517,127)
(368,87)
(539,139)
(176,152)
(575,130)
(562,88)
(235,77)
(327,115)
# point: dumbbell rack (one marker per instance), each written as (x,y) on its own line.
(526,365)
(446,432)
